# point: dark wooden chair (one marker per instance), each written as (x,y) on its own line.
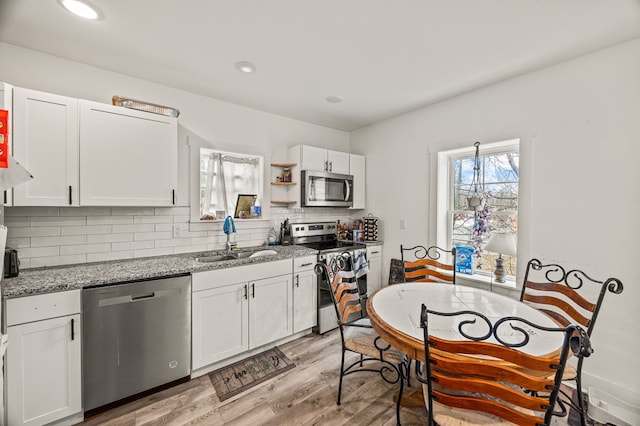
(423,264)
(487,380)
(568,297)
(356,333)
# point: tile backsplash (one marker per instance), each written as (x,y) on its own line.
(49,236)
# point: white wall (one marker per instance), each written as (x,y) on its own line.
(579,126)
(61,236)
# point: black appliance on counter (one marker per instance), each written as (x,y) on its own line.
(323,237)
(11,263)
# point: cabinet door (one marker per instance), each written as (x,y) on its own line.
(305,300)
(45,142)
(220,327)
(374,276)
(338,162)
(128,157)
(314,158)
(357,169)
(270,313)
(44,371)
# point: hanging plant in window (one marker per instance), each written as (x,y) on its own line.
(475,199)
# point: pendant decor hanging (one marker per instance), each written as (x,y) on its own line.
(475,199)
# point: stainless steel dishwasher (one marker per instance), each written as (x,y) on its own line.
(136,336)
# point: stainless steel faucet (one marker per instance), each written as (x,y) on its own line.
(230,244)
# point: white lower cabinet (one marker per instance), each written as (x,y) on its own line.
(305,293)
(43,359)
(238,309)
(374,276)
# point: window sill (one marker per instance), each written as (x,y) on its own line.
(486,280)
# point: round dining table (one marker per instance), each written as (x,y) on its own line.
(394,312)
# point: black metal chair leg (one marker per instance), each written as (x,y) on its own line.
(581,407)
(401,375)
(341,376)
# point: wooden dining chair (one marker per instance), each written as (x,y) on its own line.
(486,376)
(356,333)
(423,264)
(568,297)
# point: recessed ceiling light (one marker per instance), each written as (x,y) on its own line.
(245,66)
(80,8)
(334,99)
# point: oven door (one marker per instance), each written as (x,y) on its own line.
(322,189)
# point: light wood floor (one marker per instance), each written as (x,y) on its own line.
(305,395)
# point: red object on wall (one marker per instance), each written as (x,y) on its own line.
(4,138)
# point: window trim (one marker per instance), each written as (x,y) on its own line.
(444,196)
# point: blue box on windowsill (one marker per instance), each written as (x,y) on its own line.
(464,259)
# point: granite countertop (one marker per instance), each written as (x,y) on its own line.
(60,278)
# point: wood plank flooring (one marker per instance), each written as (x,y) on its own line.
(305,395)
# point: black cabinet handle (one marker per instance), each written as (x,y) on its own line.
(73,334)
(297,280)
(245,292)
(5,197)
(173,197)
(253,290)
(70,197)
(306,264)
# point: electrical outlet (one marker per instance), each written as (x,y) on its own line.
(403,223)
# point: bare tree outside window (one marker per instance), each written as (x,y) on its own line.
(499,176)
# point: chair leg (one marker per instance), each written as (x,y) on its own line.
(581,407)
(401,374)
(341,376)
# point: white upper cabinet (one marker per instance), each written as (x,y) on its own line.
(6,103)
(84,153)
(45,142)
(127,157)
(314,158)
(357,169)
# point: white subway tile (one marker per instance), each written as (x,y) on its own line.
(145,227)
(181,219)
(37,262)
(58,241)
(113,255)
(132,245)
(109,238)
(25,263)
(34,232)
(172,211)
(163,227)
(16,221)
(109,220)
(132,211)
(31,211)
(153,252)
(85,248)
(206,240)
(205,226)
(58,220)
(38,252)
(152,219)
(85,230)
(190,249)
(173,242)
(85,211)
(17,243)
(143,236)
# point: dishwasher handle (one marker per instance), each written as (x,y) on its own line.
(143,296)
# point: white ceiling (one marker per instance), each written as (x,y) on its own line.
(384,57)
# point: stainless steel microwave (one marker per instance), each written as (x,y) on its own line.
(326,189)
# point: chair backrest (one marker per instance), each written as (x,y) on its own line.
(568,297)
(343,287)
(493,373)
(423,264)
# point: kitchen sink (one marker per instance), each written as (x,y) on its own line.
(235,255)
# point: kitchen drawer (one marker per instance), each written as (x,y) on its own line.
(43,306)
(304,263)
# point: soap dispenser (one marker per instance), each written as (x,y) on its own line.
(271,239)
